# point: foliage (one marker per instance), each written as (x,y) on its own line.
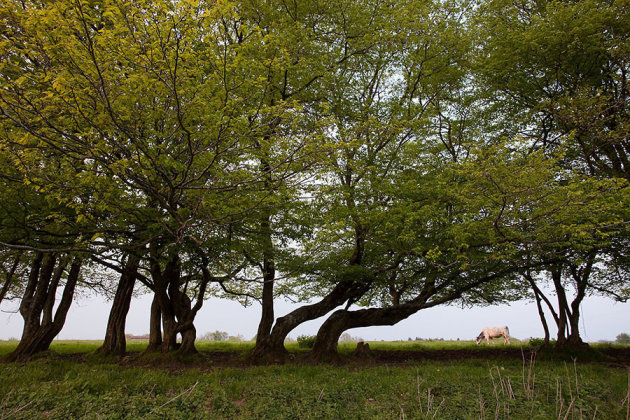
(306,341)
(622,338)
(346,337)
(539,342)
(220,336)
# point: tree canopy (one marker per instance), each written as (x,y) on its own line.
(394,155)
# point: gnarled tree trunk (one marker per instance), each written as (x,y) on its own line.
(167,281)
(325,346)
(155,327)
(569,313)
(174,307)
(272,349)
(41,325)
(115,342)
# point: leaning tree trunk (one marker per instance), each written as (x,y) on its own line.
(115,342)
(539,296)
(41,326)
(272,349)
(543,319)
(325,346)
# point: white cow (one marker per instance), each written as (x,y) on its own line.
(494,332)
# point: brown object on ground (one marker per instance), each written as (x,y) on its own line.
(362,350)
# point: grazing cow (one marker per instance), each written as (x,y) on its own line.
(494,332)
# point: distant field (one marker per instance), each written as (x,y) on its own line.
(65,385)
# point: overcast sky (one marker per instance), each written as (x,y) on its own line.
(602,319)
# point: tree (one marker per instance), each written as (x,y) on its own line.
(161,111)
(623,338)
(556,72)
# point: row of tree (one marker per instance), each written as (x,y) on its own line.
(367,157)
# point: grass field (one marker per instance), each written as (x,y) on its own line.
(70,382)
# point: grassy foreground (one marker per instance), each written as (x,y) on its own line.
(58,387)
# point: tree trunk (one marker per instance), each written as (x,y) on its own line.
(580,277)
(169,338)
(155,327)
(539,296)
(574,340)
(164,282)
(267,316)
(115,342)
(272,349)
(185,326)
(263,335)
(563,307)
(325,346)
(543,319)
(37,336)
(188,341)
(175,306)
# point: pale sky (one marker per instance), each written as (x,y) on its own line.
(602,319)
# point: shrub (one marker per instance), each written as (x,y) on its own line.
(539,342)
(215,336)
(306,341)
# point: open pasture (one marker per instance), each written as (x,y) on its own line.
(473,382)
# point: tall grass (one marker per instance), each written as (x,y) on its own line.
(58,388)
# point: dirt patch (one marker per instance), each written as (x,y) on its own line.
(205,361)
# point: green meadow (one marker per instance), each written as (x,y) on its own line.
(70,381)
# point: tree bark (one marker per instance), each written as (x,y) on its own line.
(563,307)
(580,277)
(9,279)
(543,319)
(263,334)
(325,346)
(175,307)
(36,336)
(155,327)
(569,314)
(185,318)
(166,281)
(538,295)
(115,341)
(273,350)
